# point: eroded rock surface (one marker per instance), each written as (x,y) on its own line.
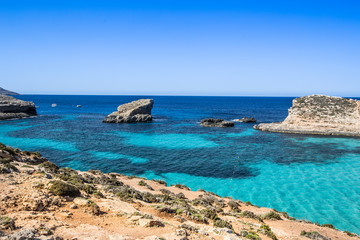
(11,108)
(133,112)
(319,114)
(214,122)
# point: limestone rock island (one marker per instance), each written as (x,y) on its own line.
(133,112)
(319,114)
(11,108)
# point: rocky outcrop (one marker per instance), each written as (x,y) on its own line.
(133,112)
(11,108)
(319,114)
(213,122)
(245,120)
(7,92)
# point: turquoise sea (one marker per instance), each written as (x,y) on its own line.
(310,177)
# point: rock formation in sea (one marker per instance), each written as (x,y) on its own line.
(39,200)
(214,122)
(7,92)
(133,112)
(245,120)
(11,108)
(319,114)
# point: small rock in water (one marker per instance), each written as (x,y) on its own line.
(133,112)
(246,120)
(214,122)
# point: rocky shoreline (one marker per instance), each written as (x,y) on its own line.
(12,108)
(39,200)
(319,115)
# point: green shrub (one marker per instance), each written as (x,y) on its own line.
(350,234)
(328,225)
(12,167)
(9,150)
(222,224)
(252,236)
(61,188)
(94,208)
(233,205)
(267,231)
(160,181)
(272,216)
(6,160)
(142,183)
(209,214)
(49,166)
(7,222)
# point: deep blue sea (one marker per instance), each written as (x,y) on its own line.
(310,177)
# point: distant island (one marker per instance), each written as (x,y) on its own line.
(7,92)
(321,115)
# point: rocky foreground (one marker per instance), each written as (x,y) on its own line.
(319,114)
(133,112)
(11,108)
(39,200)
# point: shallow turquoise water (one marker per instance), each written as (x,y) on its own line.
(310,177)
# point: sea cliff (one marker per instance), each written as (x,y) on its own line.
(319,114)
(11,108)
(39,200)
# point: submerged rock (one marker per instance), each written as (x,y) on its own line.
(213,122)
(133,112)
(11,108)
(246,120)
(319,114)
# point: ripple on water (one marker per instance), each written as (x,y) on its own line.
(305,191)
(169,141)
(115,156)
(32,143)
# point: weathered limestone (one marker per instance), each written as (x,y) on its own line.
(133,112)
(213,122)
(11,108)
(319,114)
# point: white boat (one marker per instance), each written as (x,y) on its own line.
(53,105)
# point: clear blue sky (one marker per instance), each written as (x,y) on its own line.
(272,48)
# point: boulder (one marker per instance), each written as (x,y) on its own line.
(246,120)
(133,112)
(319,114)
(11,108)
(213,122)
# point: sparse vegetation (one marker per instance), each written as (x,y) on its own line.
(7,222)
(271,216)
(61,188)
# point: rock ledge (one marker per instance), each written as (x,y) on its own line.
(11,108)
(319,114)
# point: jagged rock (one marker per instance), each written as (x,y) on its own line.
(11,108)
(7,92)
(213,122)
(319,114)
(246,120)
(133,112)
